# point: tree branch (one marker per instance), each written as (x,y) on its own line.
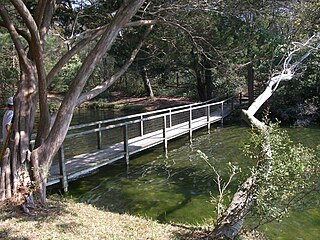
(104,86)
(65,112)
(37,56)
(21,32)
(14,36)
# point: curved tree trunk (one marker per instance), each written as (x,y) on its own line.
(230,223)
(33,87)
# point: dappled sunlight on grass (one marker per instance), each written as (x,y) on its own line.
(69,220)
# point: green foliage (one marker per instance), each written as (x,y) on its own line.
(61,83)
(288,179)
(9,73)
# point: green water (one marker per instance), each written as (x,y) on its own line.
(178,187)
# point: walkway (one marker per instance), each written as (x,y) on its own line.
(129,135)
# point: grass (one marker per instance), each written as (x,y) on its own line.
(69,220)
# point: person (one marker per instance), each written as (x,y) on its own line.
(7,118)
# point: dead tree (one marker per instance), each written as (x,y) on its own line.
(230,223)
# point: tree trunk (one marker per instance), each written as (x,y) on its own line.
(201,87)
(230,223)
(250,82)
(146,82)
(202,67)
(5,184)
(208,81)
(33,86)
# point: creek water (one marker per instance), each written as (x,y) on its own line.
(178,187)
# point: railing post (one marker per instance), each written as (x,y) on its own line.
(165,140)
(240,97)
(190,124)
(208,117)
(125,143)
(99,136)
(222,113)
(141,126)
(62,168)
(170,118)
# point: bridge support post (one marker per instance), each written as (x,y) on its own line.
(165,140)
(99,138)
(170,118)
(141,126)
(125,143)
(190,124)
(208,118)
(222,113)
(62,168)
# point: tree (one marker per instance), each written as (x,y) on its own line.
(38,17)
(272,155)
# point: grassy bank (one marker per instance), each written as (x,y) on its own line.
(69,220)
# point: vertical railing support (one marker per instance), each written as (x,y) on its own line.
(208,117)
(99,137)
(125,143)
(141,126)
(165,140)
(190,124)
(170,118)
(222,113)
(62,168)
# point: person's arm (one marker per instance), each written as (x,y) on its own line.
(8,127)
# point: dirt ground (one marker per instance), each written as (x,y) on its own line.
(152,104)
(117,98)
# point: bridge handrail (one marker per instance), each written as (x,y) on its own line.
(147,113)
(167,111)
(173,110)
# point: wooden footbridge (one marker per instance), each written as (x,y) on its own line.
(119,138)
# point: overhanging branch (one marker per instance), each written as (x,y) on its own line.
(105,85)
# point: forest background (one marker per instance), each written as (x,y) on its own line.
(195,51)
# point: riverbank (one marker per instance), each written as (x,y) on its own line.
(119,101)
(141,104)
(69,220)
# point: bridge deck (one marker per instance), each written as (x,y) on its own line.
(85,163)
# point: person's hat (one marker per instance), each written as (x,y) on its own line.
(10,101)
